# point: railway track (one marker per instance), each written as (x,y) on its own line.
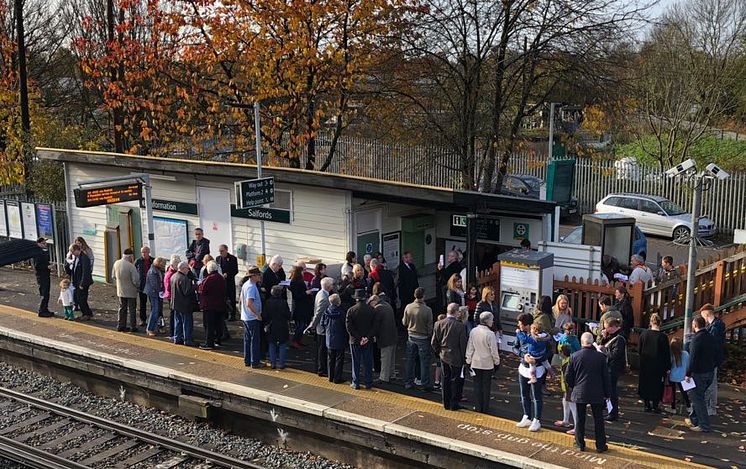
(41,434)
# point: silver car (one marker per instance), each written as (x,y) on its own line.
(656,215)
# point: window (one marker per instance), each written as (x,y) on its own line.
(649,206)
(628,202)
(514,184)
(613,201)
(283,200)
(671,208)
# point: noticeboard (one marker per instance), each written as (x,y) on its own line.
(28,218)
(486,228)
(108,195)
(255,192)
(45,222)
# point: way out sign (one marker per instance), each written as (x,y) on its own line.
(255,192)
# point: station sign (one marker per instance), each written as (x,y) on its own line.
(173,206)
(108,195)
(261,213)
(255,192)
(487,228)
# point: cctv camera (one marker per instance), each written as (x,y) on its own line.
(681,168)
(716,171)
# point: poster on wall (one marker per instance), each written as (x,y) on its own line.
(45,222)
(3,220)
(13,211)
(215,216)
(170,236)
(28,212)
(391,249)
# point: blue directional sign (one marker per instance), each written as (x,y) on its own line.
(255,192)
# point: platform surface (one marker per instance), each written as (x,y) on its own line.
(638,440)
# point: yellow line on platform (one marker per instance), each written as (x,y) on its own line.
(389,397)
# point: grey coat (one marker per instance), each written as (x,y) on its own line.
(183,296)
(387,333)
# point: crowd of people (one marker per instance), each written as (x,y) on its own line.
(364,310)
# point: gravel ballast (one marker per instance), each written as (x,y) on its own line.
(149,419)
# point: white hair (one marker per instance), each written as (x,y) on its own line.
(277,259)
(326,282)
(373,299)
(453,309)
(211,267)
(183,265)
(367,257)
(586,338)
(175,260)
(486,317)
(373,263)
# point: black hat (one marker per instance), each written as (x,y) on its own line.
(41,240)
(360,294)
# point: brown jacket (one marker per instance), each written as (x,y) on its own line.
(449,341)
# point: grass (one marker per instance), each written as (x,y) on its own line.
(728,154)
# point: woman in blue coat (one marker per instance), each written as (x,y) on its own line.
(336,337)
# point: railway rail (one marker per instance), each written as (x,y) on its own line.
(41,434)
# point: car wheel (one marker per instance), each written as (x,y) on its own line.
(680,232)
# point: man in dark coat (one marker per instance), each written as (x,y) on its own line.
(361,326)
(199,248)
(702,361)
(42,270)
(142,264)
(228,264)
(588,377)
(272,276)
(449,342)
(212,301)
(80,276)
(716,327)
(183,300)
(614,345)
(407,282)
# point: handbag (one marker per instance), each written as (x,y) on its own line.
(667,394)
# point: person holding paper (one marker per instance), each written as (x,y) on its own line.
(482,355)
(449,342)
(588,377)
(702,361)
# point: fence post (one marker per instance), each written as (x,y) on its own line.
(719,286)
(637,292)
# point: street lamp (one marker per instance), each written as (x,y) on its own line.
(711,172)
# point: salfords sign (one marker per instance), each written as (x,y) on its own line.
(261,213)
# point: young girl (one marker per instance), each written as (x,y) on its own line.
(679,364)
(472,298)
(537,349)
(562,312)
(66,298)
(568,345)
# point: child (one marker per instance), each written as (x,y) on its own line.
(472,298)
(679,364)
(66,298)
(568,344)
(537,349)
(438,366)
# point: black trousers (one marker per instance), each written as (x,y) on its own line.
(81,299)
(44,282)
(335,362)
(322,363)
(143,306)
(376,358)
(482,384)
(213,326)
(450,386)
(598,425)
(230,293)
(614,375)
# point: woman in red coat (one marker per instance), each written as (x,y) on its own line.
(213,304)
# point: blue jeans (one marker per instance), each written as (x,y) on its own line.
(252,336)
(156,309)
(532,400)
(276,349)
(418,348)
(699,415)
(183,326)
(362,354)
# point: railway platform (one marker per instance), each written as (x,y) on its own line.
(296,408)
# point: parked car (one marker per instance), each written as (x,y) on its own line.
(523,185)
(656,215)
(639,244)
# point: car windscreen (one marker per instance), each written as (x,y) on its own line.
(671,208)
(534,184)
(574,237)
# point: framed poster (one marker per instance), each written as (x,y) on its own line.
(3,219)
(170,236)
(45,222)
(13,212)
(391,249)
(28,212)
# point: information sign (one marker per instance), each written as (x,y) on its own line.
(255,192)
(45,222)
(487,228)
(3,220)
(28,214)
(108,195)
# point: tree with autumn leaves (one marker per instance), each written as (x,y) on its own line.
(186,73)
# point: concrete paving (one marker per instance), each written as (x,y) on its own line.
(644,434)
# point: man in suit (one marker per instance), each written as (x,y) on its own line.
(142,264)
(449,342)
(42,270)
(407,282)
(361,326)
(703,355)
(229,266)
(199,248)
(588,377)
(80,275)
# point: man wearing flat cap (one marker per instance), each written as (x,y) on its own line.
(361,327)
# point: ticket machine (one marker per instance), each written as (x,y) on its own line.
(525,276)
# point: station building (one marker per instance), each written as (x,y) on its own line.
(315,215)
